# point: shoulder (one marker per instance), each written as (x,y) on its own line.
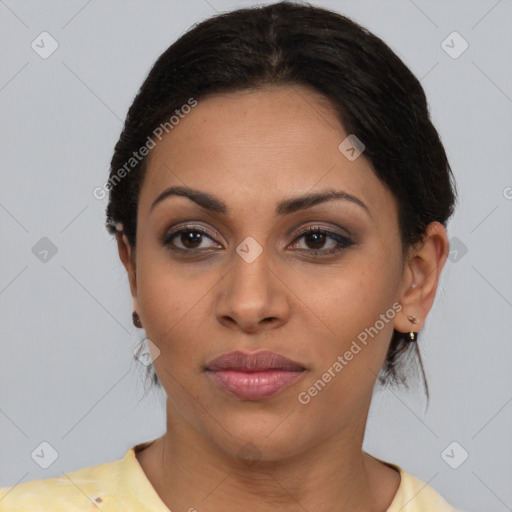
(78,490)
(414,495)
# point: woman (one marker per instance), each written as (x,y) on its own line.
(279,198)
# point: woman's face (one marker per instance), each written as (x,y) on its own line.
(246,278)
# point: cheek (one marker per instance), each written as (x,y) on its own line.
(358,340)
(163,296)
(175,302)
(350,303)
(355,294)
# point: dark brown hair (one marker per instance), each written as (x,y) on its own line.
(374,94)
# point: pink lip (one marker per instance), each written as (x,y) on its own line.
(253,376)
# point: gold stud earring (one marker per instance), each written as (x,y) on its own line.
(412,336)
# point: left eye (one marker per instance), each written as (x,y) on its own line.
(317,237)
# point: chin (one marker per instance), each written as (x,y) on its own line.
(260,436)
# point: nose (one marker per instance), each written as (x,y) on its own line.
(252,296)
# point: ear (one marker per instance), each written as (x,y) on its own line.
(127,256)
(421,277)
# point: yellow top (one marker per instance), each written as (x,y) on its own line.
(123,485)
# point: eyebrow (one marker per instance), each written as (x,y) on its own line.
(285,207)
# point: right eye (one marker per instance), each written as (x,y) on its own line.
(186,239)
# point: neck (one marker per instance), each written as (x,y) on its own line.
(189,472)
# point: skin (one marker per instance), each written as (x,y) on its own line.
(252,149)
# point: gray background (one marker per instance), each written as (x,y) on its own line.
(67,374)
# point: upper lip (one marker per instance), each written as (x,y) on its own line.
(257,361)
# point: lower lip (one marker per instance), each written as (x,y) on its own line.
(254,385)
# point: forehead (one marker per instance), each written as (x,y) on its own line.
(256,147)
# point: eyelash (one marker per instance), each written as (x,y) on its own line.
(342,241)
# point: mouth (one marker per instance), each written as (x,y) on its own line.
(253,376)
